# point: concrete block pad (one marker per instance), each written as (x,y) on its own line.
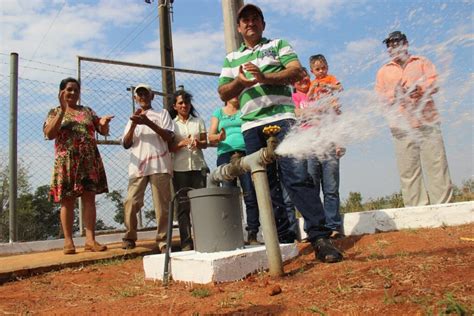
(222,266)
(428,216)
(409,217)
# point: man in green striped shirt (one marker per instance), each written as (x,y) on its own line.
(260,73)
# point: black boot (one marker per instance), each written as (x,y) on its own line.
(325,251)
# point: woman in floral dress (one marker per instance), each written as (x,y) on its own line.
(78,169)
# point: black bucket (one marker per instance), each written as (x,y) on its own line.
(217,219)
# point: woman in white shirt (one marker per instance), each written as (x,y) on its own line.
(189,166)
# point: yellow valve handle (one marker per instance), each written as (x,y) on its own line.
(271,130)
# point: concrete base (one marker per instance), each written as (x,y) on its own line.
(428,216)
(202,268)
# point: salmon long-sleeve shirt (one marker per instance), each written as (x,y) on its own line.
(394,83)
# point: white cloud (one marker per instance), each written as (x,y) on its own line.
(315,11)
(359,56)
(199,50)
(79,29)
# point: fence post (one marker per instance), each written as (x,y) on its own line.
(81,207)
(13,166)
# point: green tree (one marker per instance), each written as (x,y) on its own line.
(23,188)
(465,193)
(23,185)
(100,225)
(390,201)
(38,217)
(116,197)
(353,203)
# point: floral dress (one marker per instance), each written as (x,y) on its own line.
(77,165)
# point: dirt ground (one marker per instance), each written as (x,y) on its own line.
(409,272)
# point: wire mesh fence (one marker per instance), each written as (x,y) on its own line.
(106,87)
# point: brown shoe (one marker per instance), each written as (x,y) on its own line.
(252,239)
(69,249)
(95,247)
(128,244)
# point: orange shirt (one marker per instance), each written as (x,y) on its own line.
(393,82)
(321,91)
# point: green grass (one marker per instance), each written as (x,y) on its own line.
(232,300)
(127,291)
(110,262)
(449,305)
(200,292)
(316,310)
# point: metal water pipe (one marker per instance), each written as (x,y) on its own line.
(256,164)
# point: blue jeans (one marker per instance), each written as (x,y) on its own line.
(293,174)
(290,211)
(250,199)
(325,175)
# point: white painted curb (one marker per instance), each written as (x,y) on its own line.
(428,216)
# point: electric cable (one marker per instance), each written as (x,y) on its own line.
(49,29)
(130,41)
(129,34)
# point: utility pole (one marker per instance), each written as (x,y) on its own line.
(166,48)
(231,35)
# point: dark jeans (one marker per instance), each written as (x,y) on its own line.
(250,199)
(182,179)
(290,211)
(325,174)
(297,182)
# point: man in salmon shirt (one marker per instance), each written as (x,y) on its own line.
(408,82)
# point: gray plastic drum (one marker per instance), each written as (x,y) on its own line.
(217,219)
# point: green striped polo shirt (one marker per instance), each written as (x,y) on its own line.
(261,104)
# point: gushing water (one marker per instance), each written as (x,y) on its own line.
(365,115)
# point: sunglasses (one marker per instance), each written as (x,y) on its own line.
(394,43)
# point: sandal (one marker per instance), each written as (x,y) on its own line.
(69,249)
(95,247)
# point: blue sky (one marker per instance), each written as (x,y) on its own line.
(347,32)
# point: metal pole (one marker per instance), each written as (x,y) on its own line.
(256,164)
(267,220)
(166,48)
(13,167)
(81,207)
(231,35)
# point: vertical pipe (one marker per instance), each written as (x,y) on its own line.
(13,229)
(231,35)
(81,211)
(166,48)
(267,220)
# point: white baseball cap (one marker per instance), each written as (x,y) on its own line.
(142,86)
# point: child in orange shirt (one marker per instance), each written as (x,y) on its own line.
(325,172)
(324,85)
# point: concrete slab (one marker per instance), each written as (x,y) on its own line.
(221,266)
(15,266)
(47,245)
(428,216)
